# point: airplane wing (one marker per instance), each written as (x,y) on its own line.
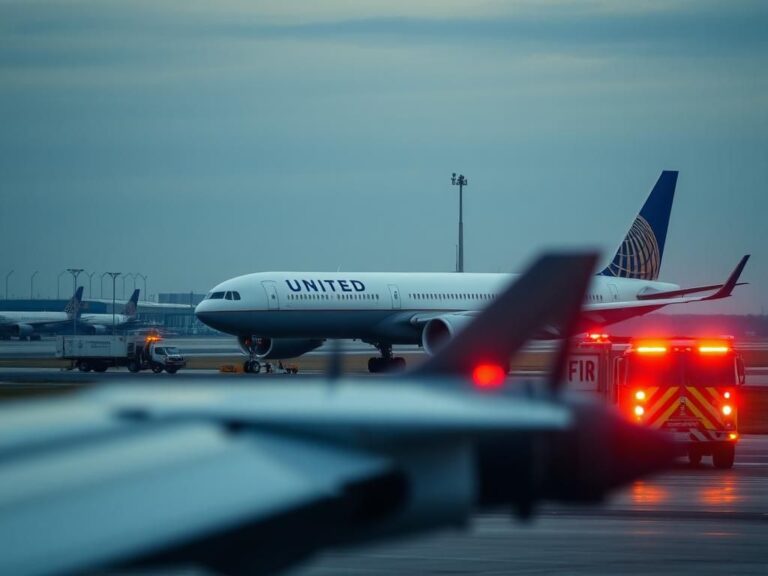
(153,476)
(605,313)
(723,290)
(612,312)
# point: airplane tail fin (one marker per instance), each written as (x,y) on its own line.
(536,300)
(73,306)
(131,306)
(639,255)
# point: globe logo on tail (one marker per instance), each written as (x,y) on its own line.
(639,255)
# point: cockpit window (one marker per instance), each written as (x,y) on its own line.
(236,295)
(217,296)
(228,296)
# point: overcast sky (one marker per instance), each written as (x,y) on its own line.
(195,141)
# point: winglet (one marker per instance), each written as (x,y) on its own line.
(733,280)
(549,294)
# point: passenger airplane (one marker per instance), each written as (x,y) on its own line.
(285,314)
(101,323)
(27,324)
(227,479)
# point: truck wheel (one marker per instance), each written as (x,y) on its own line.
(694,456)
(83,366)
(723,456)
(157,368)
(171,369)
(133,366)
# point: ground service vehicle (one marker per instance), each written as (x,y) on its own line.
(685,386)
(98,353)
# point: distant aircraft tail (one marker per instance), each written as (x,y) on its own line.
(73,306)
(131,306)
(639,255)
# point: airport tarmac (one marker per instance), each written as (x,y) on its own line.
(191,346)
(688,521)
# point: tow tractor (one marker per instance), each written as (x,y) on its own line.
(685,386)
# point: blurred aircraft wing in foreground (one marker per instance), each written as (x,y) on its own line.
(254,478)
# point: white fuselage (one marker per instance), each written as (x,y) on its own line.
(105,319)
(33,318)
(371,306)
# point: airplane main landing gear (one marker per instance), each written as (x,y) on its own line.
(252,366)
(387,363)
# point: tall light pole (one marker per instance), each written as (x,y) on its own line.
(114,277)
(6,283)
(90,278)
(460,181)
(101,282)
(144,279)
(75,273)
(32,285)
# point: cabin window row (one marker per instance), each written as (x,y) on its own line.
(330,296)
(452,296)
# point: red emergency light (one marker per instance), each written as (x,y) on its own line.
(598,337)
(714,347)
(488,375)
(651,349)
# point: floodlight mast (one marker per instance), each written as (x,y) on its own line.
(460,181)
(114,276)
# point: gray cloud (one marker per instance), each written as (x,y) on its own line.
(196,145)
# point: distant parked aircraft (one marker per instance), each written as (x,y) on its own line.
(103,323)
(28,324)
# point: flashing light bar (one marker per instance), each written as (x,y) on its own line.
(708,349)
(597,336)
(652,349)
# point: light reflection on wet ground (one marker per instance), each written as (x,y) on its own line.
(698,521)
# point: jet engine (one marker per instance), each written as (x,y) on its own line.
(439,330)
(277,348)
(23,330)
(98,329)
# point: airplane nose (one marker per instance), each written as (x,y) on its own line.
(203,312)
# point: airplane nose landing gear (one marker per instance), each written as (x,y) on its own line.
(387,363)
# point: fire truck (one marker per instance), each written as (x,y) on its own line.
(685,386)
